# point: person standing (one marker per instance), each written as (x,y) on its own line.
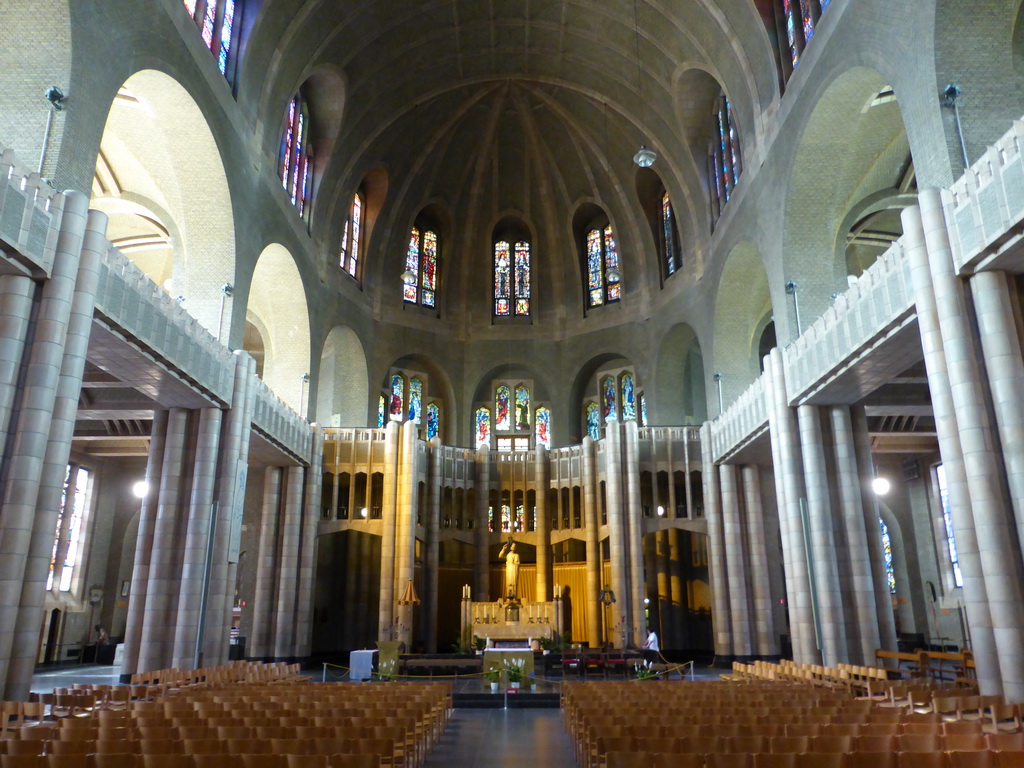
(652,651)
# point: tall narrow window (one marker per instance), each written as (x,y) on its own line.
(420,278)
(502,412)
(543,421)
(643,409)
(800,19)
(483,427)
(511,278)
(381,410)
(351,237)
(522,408)
(67,540)
(216,23)
(890,574)
(295,156)
(609,399)
(593,415)
(603,273)
(433,420)
(415,400)
(669,243)
(940,474)
(628,397)
(397,397)
(723,157)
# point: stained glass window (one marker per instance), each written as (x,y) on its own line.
(603,273)
(947,517)
(421,264)
(609,399)
(890,574)
(381,410)
(807,20)
(295,159)
(67,541)
(511,279)
(351,237)
(643,409)
(410,288)
(433,421)
(724,156)
(670,249)
(502,278)
(506,518)
(520,517)
(415,400)
(594,421)
(522,279)
(397,397)
(791,30)
(483,427)
(522,407)
(226,26)
(628,397)
(216,23)
(502,404)
(543,422)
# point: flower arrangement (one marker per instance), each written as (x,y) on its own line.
(644,671)
(387,669)
(515,670)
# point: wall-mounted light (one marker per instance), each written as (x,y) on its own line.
(140,489)
(880,486)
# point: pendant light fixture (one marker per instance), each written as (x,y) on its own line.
(646,156)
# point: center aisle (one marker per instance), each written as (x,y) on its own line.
(504,738)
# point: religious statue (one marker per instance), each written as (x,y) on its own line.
(508,552)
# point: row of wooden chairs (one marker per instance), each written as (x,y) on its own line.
(340,760)
(819,760)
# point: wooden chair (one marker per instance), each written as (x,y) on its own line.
(165,761)
(70,748)
(22,761)
(876,743)
(725,760)
(291,746)
(775,760)
(22,747)
(1005,742)
(830,743)
(159,746)
(264,761)
(863,759)
(971,759)
(115,760)
(964,742)
(68,761)
(115,747)
(219,760)
(821,760)
(1004,717)
(782,745)
(202,746)
(930,759)
(348,760)
(1002,759)
(307,761)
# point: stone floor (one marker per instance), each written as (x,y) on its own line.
(504,738)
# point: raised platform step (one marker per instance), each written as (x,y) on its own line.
(498,700)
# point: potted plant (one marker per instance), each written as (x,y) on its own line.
(515,672)
(479,643)
(493,676)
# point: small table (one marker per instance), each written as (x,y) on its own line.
(360,665)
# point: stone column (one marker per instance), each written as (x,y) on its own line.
(232,478)
(866,473)
(157,640)
(24,459)
(264,597)
(432,547)
(852,508)
(481,536)
(789,489)
(947,428)
(1001,345)
(196,540)
(55,461)
(720,616)
(634,518)
(994,524)
(288,564)
(619,611)
(144,546)
(730,539)
(312,494)
(386,608)
(591,509)
(767,643)
(17,294)
(831,620)
(543,525)
(405,539)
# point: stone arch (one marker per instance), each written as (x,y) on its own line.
(853,145)
(161,180)
(680,388)
(741,304)
(277,298)
(343,385)
(35,55)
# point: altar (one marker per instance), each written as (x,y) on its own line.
(510,623)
